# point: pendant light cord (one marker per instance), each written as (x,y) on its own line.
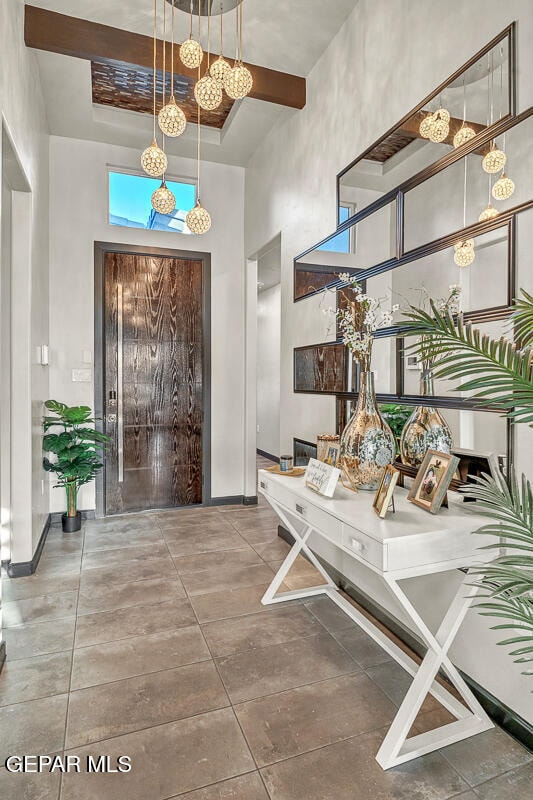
(221,44)
(198,151)
(172,56)
(155,62)
(236,35)
(208,36)
(164,50)
(240,33)
(190,32)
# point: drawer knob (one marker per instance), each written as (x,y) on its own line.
(300,509)
(357,545)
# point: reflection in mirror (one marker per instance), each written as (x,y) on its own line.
(459,194)
(324,368)
(412,369)
(483,285)
(371,241)
(481,431)
(477,96)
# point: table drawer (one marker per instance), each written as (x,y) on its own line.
(320,520)
(364,546)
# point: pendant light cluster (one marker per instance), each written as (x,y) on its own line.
(219,76)
(436,126)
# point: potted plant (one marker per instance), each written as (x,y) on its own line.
(78,452)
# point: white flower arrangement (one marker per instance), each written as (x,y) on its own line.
(362,316)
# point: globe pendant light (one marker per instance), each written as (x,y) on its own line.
(488,213)
(238,81)
(463,135)
(503,188)
(425,126)
(465,132)
(494,160)
(171,118)
(440,127)
(220,66)
(191,53)
(163,199)
(208,91)
(464,253)
(153,160)
(198,219)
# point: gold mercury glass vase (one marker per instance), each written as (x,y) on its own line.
(367,442)
(426,428)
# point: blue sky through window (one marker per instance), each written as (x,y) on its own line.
(130,199)
(341,243)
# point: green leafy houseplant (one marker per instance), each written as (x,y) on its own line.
(395,415)
(500,373)
(77,449)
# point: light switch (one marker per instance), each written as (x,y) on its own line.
(82,375)
(87,357)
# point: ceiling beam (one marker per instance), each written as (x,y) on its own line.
(79,38)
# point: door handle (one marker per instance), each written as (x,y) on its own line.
(119,397)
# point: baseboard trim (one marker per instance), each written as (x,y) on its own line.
(230,500)
(55,516)
(2,654)
(270,457)
(22,569)
(250,501)
(511,722)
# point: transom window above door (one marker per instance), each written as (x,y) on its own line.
(130,203)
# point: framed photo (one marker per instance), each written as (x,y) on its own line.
(432,480)
(474,464)
(385,491)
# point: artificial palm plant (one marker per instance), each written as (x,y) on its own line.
(498,372)
(77,449)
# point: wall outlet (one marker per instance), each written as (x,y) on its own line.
(82,375)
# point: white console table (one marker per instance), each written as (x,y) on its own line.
(405,544)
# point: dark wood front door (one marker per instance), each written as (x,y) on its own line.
(152,381)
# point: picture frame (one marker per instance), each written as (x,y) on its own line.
(413,362)
(432,480)
(385,492)
(472,464)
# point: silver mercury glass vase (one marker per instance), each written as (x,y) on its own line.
(426,428)
(367,442)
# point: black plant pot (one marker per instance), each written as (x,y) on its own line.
(71,524)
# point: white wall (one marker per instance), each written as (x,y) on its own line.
(78,218)
(24,115)
(268,369)
(384,60)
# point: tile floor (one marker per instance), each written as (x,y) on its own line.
(145,636)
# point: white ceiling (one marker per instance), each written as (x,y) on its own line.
(287,35)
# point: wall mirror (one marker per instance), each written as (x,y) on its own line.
(486,284)
(371,241)
(479,95)
(457,196)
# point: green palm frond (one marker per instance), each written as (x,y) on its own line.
(496,372)
(506,584)
(523,320)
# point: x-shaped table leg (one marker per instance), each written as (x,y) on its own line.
(471,718)
(299,546)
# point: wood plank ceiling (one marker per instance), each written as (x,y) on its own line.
(131,88)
